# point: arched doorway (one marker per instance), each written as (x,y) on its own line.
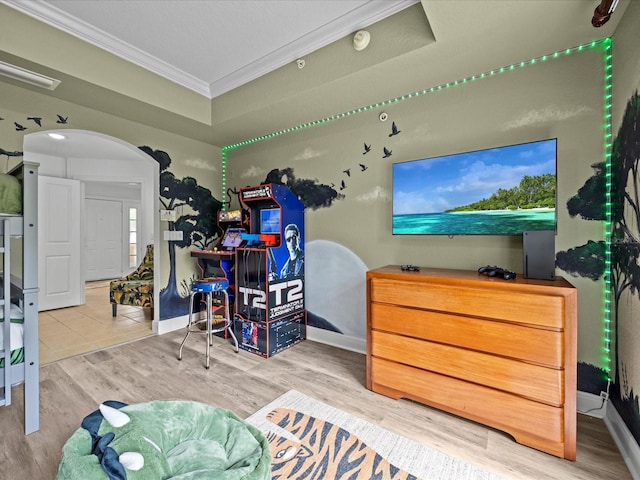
(101,163)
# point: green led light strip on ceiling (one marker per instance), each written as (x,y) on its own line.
(606,43)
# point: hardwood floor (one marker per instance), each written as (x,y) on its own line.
(75,330)
(148,369)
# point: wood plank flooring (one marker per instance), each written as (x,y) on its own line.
(148,369)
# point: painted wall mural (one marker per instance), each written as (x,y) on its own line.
(33,122)
(198,224)
(312,194)
(588,260)
(626,268)
(335,272)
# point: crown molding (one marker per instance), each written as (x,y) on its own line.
(60,20)
(358,18)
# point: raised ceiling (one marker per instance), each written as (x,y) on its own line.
(210,46)
(238,47)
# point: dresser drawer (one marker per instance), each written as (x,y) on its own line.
(530,422)
(517,341)
(499,303)
(523,379)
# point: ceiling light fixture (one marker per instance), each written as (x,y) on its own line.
(603,12)
(56,136)
(27,76)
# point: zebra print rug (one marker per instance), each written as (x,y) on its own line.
(309,440)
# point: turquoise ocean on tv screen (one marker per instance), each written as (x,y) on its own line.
(495,222)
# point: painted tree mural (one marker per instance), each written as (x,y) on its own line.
(588,260)
(311,194)
(626,244)
(198,225)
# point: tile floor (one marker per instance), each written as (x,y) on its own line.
(66,332)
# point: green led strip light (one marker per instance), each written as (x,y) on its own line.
(608,72)
(607,45)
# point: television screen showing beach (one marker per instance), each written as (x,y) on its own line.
(500,191)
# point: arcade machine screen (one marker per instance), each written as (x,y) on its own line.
(231,216)
(270,220)
(232,238)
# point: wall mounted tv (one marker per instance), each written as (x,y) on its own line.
(499,191)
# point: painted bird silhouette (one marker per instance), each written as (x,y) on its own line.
(343,185)
(19,128)
(394,130)
(367,149)
(362,167)
(332,185)
(38,120)
(347,171)
(387,153)
(62,119)
(10,154)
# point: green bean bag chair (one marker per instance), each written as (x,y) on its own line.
(160,440)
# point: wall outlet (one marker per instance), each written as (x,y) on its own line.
(604,396)
(173,235)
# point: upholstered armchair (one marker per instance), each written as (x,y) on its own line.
(136,288)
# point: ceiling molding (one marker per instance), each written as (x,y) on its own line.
(60,20)
(356,19)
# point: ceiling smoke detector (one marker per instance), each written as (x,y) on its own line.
(361,40)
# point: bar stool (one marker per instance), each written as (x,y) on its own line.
(207,287)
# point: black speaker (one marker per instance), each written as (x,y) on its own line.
(539,252)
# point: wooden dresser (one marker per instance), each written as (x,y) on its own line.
(499,352)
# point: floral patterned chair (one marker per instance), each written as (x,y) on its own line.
(136,288)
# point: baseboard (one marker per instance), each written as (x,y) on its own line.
(590,404)
(627,445)
(337,340)
(170,324)
(316,334)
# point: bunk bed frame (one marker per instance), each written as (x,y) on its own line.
(20,285)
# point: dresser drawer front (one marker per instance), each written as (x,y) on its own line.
(516,415)
(524,379)
(500,338)
(508,304)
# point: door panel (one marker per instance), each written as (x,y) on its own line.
(59,243)
(104,242)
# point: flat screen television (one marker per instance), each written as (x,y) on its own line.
(499,191)
(270,220)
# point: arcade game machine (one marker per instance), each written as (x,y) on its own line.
(220,260)
(270,315)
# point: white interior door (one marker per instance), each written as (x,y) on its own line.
(104,242)
(61,282)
